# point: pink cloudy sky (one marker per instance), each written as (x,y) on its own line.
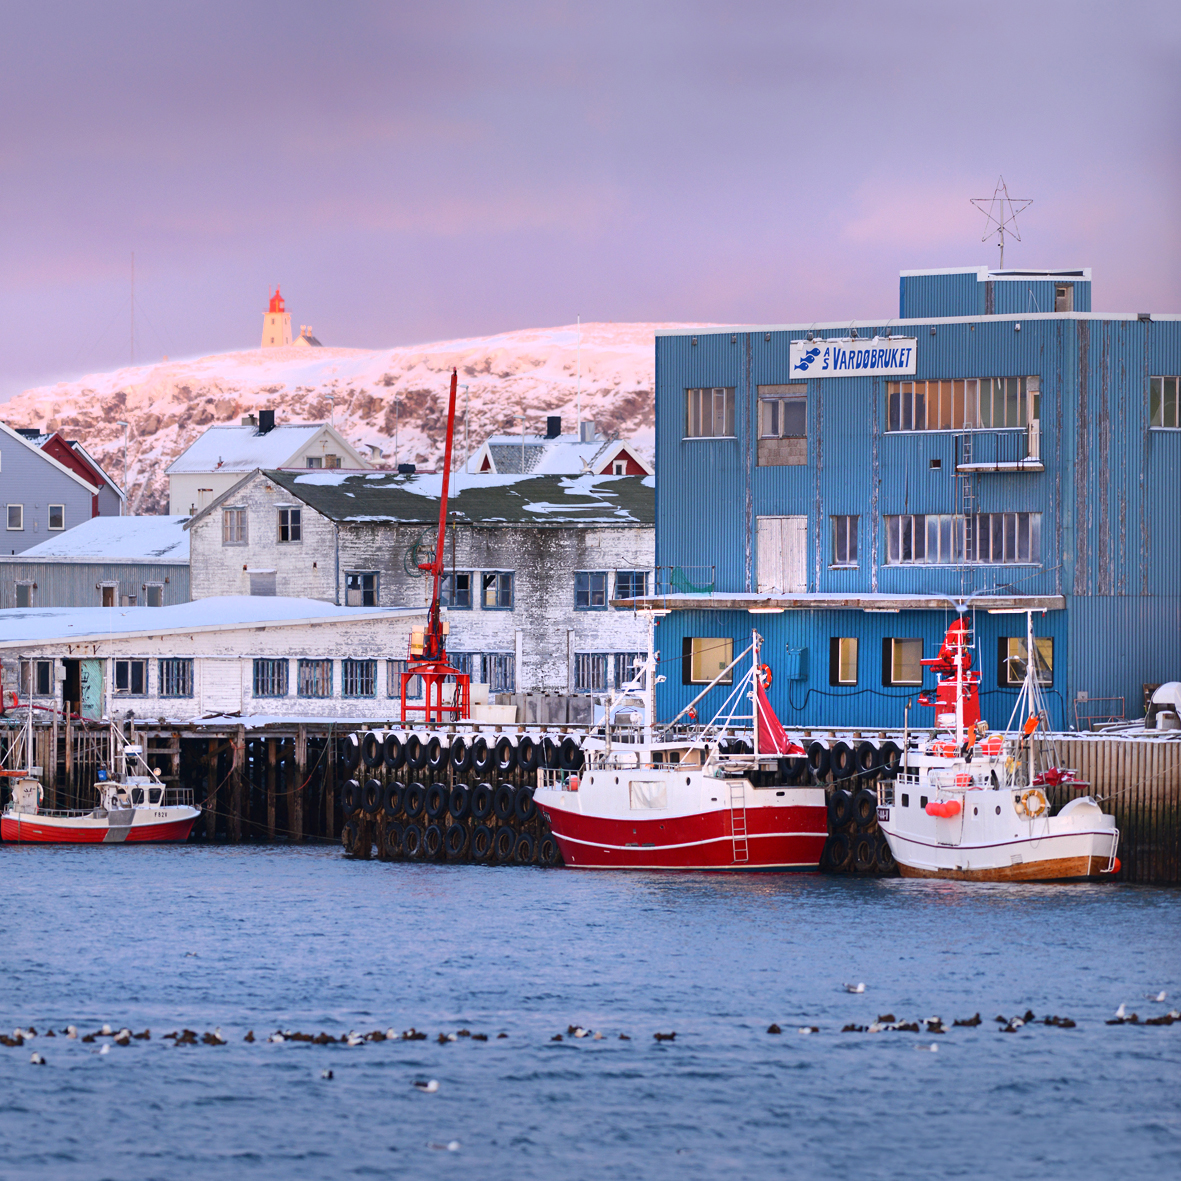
(412,172)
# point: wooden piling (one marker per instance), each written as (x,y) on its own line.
(300,784)
(211,791)
(329,780)
(272,755)
(71,787)
(234,822)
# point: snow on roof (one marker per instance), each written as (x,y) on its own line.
(118,539)
(21,626)
(558,455)
(242,448)
(542,500)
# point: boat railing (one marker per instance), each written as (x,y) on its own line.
(178,797)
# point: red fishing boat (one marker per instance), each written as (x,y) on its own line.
(702,801)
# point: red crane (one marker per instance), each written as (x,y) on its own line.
(428,649)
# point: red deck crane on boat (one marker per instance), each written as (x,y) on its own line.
(428,648)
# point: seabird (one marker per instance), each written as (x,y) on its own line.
(105,1049)
(71,1031)
(855,987)
(809,1029)
(933,1048)
(37,1060)
(326,1074)
(428,1087)
(106,1030)
(1122,1011)
(1158,997)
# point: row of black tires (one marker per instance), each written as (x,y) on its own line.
(859,852)
(454,842)
(437,753)
(844,760)
(860,807)
(437,800)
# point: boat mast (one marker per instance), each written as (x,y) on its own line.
(1031,678)
(959,686)
(754,691)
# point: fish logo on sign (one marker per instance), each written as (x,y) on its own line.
(806,360)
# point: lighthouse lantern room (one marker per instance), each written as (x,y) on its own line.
(276,324)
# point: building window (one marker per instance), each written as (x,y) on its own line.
(128,600)
(270,678)
(314,461)
(991,539)
(631,584)
(844,541)
(842,660)
(783,412)
(37,678)
(16,516)
(262,582)
(393,681)
(314,678)
(1162,402)
(590,590)
(154,594)
(57,516)
(902,662)
(360,589)
(131,677)
(233,526)
(590,672)
(290,527)
(358,678)
(496,590)
(709,413)
(465,662)
(500,672)
(110,592)
(1013,659)
(619,467)
(703,657)
(176,678)
(24,594)
(1064,297)
(986,403)
(455,590)
(629,666)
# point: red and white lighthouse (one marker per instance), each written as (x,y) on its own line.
(276,324)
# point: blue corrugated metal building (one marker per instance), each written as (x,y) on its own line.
(840,487)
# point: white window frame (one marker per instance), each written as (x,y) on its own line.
(844,531)
(49,518)
(241,526)
(721,401)
(978,399)
(294,527)
(129,661)
(1158,403)
(20,517)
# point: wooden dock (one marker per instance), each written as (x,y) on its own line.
(283,782)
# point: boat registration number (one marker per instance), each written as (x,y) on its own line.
(883,813)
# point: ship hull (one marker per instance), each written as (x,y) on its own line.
(776,840)
(163,825)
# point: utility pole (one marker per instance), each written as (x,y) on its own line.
(132,318)
(467,402)
(578,395)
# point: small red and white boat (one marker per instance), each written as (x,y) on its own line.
(132,808)
(973,805)
(700,802)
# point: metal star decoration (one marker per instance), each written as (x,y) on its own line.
(999,221)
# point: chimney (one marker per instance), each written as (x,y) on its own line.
(407,469)
(586,432)
(553,426)
(249,420)
(266,421)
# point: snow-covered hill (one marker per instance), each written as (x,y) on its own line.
(395,398)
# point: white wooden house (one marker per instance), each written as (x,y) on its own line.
(222,455)
(534,563)
(238,656)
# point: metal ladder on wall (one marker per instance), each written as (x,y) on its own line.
(738,821)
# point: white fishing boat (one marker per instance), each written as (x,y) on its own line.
(973,805)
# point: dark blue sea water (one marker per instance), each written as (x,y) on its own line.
(302,939)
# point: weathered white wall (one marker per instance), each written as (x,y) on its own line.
(223,668)
(543,559)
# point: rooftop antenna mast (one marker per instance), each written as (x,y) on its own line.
(133,308)
(999,221)
(578,395)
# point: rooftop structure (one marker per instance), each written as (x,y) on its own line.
(557,454)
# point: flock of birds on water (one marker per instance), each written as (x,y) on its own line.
(886,1022)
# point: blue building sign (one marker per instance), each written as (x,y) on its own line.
(846,490)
